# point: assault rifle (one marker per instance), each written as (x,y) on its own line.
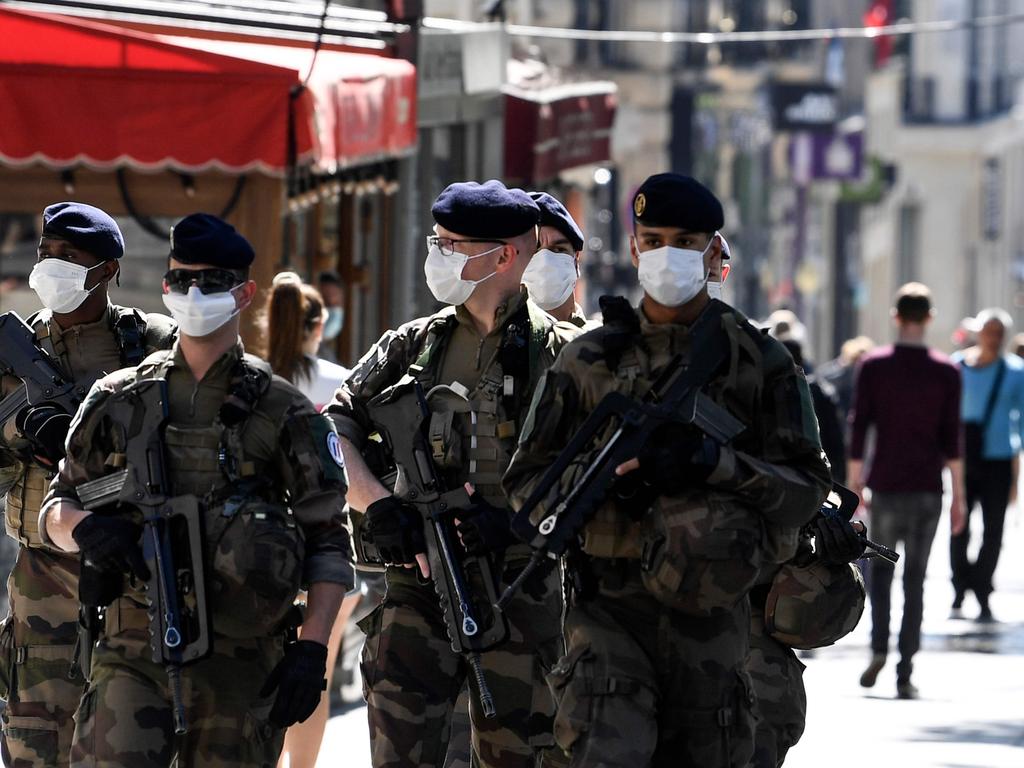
(466,585)
(41,376)
(615,432)
(841,503)
(172,537)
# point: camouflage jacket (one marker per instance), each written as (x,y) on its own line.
(776,466)
(85,352)
(446,347)
(284,441)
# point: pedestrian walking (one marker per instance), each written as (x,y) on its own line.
(296,320)
(909,395)
(991,409)
(840,372)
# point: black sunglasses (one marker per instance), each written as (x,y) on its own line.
(211,280)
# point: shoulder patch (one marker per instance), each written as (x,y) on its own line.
(334,448)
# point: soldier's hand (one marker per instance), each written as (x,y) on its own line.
(110,544)
(482,527)
(300,679)
(836,541)
(98,589)
(45,427)
(396,529)
(677,456)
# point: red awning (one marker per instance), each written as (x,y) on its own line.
(365,104)
(77,92)
(553,129)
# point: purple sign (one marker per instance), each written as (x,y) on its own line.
(826,156)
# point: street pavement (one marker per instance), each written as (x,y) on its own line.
(971,678)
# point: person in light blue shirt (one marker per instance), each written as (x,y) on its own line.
(992,411)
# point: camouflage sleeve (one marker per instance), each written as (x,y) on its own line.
(313,472)
(383,365)
(89,443)
(11,464)
(790,478)
(552,419)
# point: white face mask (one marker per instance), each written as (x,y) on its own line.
(60,285)
(672,276)
(550,278)
(444,275)
(714,290)
(198,314)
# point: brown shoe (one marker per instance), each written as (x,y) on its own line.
(867,680)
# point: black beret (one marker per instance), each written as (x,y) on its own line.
(554,214)
(674,200)
(485,210)
(86,227)
(200,238)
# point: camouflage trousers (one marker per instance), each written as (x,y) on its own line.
(39,669)
(644,685)
(125,718)
(412,678)
(778,677)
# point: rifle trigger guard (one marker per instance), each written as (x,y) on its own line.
(547,525)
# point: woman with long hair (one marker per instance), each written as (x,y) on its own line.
(296,318)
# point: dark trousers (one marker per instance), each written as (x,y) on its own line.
(986,483)
(911,518)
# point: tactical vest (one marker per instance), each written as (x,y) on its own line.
(702,550)
(473,432)
(254,549)
(25,498)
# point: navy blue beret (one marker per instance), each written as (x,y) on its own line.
(86,227)
(554,214)
(674,200)
(200,238)
(485,210)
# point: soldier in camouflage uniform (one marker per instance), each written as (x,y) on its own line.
(490,345)
(550,278)
(270,478)
(658,628)
(79,254)
(775,670)
(554,269)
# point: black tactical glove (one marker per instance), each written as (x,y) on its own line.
(98,589)
(676,457)
(109,544)
(396,530)
(45,427)
(835,540)
(483,527)
(300,678)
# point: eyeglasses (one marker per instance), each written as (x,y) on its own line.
(447,244)
(211,280)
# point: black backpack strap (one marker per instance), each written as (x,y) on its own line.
(250,379)
(514,359)
(622,329)
(130,329)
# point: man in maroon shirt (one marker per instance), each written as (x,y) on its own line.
(910,395)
